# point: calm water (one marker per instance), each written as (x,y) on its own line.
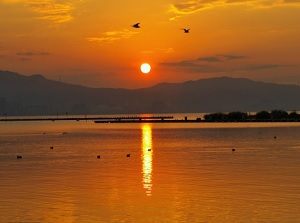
(176,172)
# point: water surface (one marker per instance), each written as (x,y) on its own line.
(175,172)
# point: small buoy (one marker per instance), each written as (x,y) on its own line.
(232,150)
(51,147)
(98,157)
(149,150)
(128,155)
(19,157)
(275,137)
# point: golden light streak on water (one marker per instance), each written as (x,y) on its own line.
(147,153)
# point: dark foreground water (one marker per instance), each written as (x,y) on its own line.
(175,172)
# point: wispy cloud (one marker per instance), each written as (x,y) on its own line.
(291,1)
(186,7)
(10,1)
(220,58)
(189,7)
(29,54)
(24,59)
(160,51)
(219,63)
(51,10)
(193,66)
(166,50)
(231,57)
(111,36)
(255,67)
(56,11)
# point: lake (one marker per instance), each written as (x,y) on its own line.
(176,172)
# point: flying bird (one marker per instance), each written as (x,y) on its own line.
(137,25)
(186,30)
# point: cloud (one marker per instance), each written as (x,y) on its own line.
(260,67)
(232,57)
(218,63)
(11,1)
(166,50)
(193,66)
(291,1)
(56,11)
(24,59)
(189,7)
(192,6)
(111,36)
(220,58)
(29,54)
(160,51)
(209,59)
(182,63)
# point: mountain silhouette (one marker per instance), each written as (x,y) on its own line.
(36,95)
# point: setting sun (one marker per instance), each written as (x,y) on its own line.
(145,68)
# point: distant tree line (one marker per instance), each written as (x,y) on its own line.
(263,116)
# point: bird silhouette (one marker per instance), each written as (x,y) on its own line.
(137,25)
(186,30)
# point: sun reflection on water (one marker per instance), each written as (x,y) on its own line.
(147,153)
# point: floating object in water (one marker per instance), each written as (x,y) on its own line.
(51,147)
(149,150)
(232,150)
(275,137)
(98,157)
(128,155)
(19,157)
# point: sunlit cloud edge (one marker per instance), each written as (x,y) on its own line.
(51,10)
(189,7)
(112,36)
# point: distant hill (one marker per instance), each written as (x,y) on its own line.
(36,95)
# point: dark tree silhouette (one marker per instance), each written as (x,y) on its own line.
(279,115)
(294,116)
(237,116)
(263,115)
(216,117)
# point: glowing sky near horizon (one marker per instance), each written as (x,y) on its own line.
(93,43)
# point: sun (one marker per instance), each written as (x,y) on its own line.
(145,68)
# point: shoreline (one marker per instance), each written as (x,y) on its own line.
(144,119)
(193,121)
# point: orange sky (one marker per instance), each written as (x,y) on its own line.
(93,43)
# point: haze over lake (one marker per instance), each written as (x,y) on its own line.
(36,95)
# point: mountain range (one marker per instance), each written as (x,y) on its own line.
(36,95)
